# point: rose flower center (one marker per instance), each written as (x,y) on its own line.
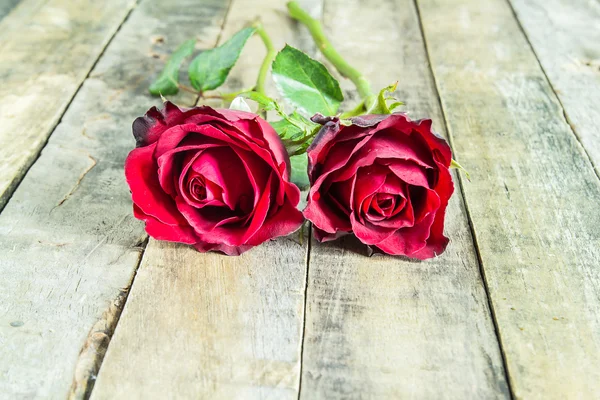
(197,188)
(386,204)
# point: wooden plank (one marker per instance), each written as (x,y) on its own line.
(54,43)
(207,325)
(6,6)
(565,36)
(533,201)
(68,239)
(384,327)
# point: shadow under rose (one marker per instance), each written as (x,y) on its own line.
(351,244)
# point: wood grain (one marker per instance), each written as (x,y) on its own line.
(69,244)
(565,36)
(207,325)
(47,49)
(533,200)
(384,327)
(6,6)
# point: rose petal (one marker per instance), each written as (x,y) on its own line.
(324,216)
(368,181)
(256,170)
(276,146)
(161,231)
(369,233)
(142,176)
(410,172)
(323,236)
(424,202)
(223,167)
(285,221)
(408,241)
(203,247)
(436,143)
(175,136)
(167,167)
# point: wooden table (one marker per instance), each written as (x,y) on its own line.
(512,309)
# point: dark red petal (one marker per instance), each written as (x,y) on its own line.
(433,248)
(437,242)
(223,167)
(424,202)
(436,143)
(256,170)
(325,135)
(160,231)
(292,193)
(235,115)
(323,215)
(147,129)
(167,169)
(408,241)
(323,236)
(409,172)
(276,146)
(175,136)
(261,210)
(369,233)
(285,221)
(337,158)
(368,181)
(203,247)
(390,147)
(141,173)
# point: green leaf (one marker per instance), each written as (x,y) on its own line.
(299,175)
(266,103)
(380,106)
(166,83)
(306,83)
(210,68)
(285,129)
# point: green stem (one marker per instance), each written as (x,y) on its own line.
(266,64)
(345,69)
(233,95)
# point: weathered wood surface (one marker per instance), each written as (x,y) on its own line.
(565,36)
(6,6)
(69,244)
(47,48)
(207,325)
(383,327)
(533,201)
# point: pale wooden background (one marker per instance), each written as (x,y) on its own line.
(511,310)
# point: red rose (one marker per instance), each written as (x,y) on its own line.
(216,179)
(384,178)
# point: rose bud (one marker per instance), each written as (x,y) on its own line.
(215,179)
(384,178)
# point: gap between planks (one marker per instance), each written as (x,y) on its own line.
(110,379)
(18,178)
(308,248)
(94,349)
(562,107)
(466,205)
(532,373)
(92,353)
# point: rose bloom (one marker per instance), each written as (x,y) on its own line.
(215,179)
(384,178)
